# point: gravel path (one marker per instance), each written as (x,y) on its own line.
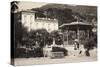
(72,57)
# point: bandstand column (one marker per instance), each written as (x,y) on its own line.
(63,39)
(78,34)
(88,34)
(53,41)
(67,36)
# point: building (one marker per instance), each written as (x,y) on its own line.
(29,20)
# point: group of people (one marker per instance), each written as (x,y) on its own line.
(86,46)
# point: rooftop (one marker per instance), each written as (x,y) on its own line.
(75,23)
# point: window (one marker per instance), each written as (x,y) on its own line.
(49,29)
(24,19)
(31,17)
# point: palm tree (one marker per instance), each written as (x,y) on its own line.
(14,6)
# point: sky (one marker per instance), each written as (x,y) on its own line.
(24,5)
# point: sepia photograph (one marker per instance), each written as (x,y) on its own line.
(52,33)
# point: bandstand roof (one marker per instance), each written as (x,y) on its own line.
(75,25)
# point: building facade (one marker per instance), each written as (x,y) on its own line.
(32,22)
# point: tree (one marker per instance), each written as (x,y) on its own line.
(57,35)
(90,43)
(20,33)
(42,35)
(39,36)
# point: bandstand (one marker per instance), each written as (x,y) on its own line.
(77,27)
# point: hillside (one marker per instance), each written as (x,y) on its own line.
(65,13)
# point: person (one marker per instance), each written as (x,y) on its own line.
(76,44)
(87,52)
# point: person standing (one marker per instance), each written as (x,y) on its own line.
(76,44)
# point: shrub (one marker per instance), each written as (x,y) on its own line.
(20,53)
